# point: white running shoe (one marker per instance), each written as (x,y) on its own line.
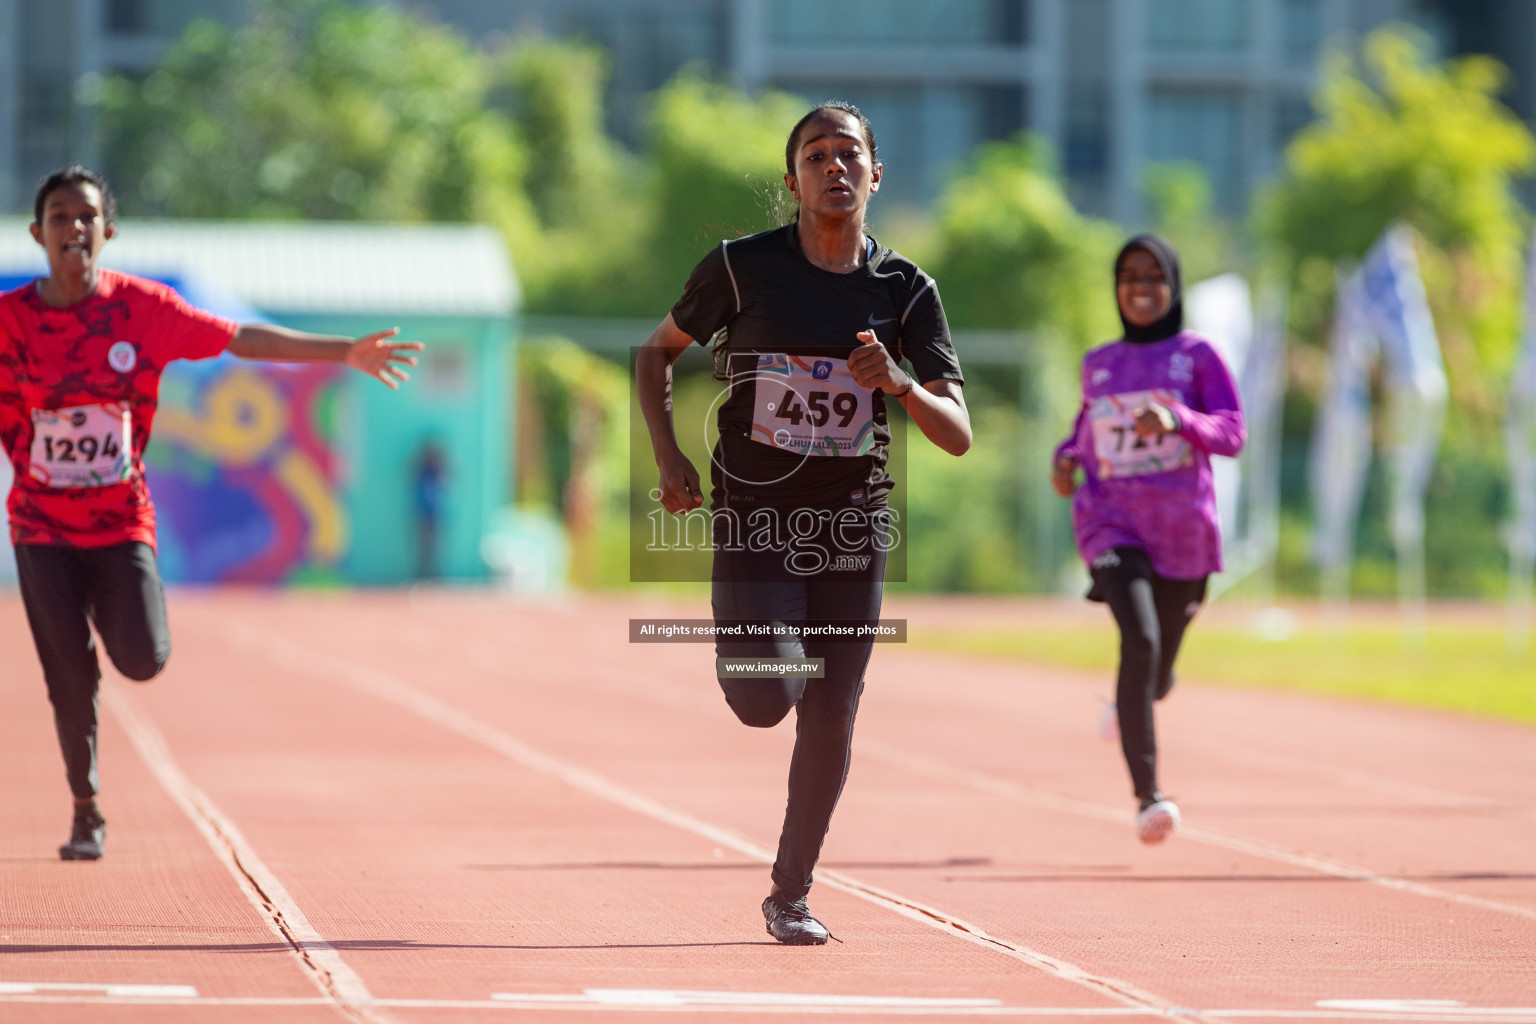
(1157,822)
(1109,723)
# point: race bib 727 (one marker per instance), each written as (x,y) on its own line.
(1120,452)
(811,405)
(82,446)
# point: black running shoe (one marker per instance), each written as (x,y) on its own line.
(791,922)
(86,837)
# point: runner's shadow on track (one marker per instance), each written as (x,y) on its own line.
(717,865)
(1481,810)
(624,865)
(910,865)
(1449,876)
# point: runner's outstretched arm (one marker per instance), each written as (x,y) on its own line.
(373,354)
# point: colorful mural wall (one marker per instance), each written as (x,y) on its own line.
(308,473)
(247,474)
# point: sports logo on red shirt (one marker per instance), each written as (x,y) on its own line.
(122,356)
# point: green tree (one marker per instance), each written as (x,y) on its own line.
(1012,252)
(555,94)
(1399,136)
(711,171)
(718,160)
(588,192)
(318,109)
(1182,202)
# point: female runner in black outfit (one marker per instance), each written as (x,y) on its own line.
(817,315)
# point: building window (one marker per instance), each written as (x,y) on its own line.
(1292,114)
(1198,26)
(1086,137)
(1012,21)
(127,17)
(1301,31)
(1204,128)
(1003,111)
(898,22)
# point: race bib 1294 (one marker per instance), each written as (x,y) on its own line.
(82,446)
(1120,452)
(811,405)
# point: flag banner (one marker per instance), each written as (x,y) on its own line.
(1341,438)
(1520,435)
(1221,309)
(1520,450)
(1248,487)
(1262,386)
(1415,380)
(1382,313)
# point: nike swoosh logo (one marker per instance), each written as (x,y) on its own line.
(876,323)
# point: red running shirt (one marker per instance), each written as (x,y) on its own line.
(98,358)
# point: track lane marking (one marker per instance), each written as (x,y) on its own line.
(383,686)
(664,692)
(318,959)
(1417,1006)
(1218,750)
(920,764)
(129,992)
(1021,793)
(582,1002)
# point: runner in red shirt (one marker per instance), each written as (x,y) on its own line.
(81,353)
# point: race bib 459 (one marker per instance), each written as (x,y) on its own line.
(82,446)
(812,406)
(1120,452)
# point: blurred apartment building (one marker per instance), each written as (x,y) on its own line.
(1112,84)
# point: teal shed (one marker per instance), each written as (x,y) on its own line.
(265,473)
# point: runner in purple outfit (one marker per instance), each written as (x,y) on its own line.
(1157,405)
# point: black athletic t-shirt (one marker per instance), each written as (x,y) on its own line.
(790,327)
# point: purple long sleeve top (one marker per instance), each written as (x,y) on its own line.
(1155,493)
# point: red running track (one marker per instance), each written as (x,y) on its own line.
(453,807)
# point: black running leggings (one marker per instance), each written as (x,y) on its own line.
(65,590)
(759,587)
(1152,612)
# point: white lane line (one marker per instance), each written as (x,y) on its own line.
(317,957)
(544,1002)
(1418,1006)
(382,686)
(662,692)
(665,694)
(920,764)
(129,992)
